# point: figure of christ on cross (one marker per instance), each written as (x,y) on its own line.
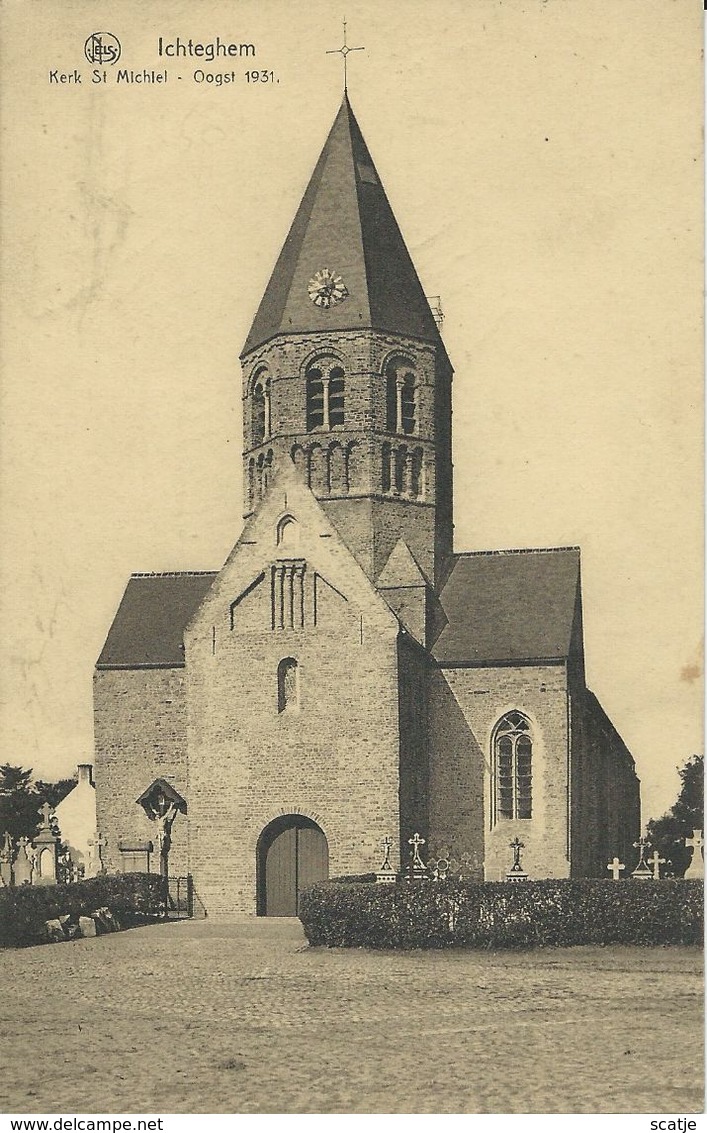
(163,812)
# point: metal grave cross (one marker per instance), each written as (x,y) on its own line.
(416,841)
(387,844)
(656,862)
(344,52)
(616,866)
(516,845)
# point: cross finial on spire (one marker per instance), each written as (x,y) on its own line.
(344,51)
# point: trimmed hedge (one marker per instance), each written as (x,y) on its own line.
(526,914)
(132,897)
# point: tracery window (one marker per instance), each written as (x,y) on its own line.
(513,758)
(400,397)
(325,395)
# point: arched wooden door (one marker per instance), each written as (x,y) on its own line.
(292,854)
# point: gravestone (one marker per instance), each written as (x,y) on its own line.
(616,866)
(46,844)
(6,872)
(23,866)
(516,872)
(386,874)
(655,861)
(417,870)
(696,868)
(642,872)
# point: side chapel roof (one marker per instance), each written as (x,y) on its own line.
(509,606)
(148,628)
(346,225)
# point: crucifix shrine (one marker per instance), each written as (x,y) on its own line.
(696,868)
(616,866)
(162,804)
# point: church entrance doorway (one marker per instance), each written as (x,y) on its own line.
(292,854)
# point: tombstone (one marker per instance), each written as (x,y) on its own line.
(616,866)
(416,870)
(696,868)
(386,874)
(23,866)
(96,857)
(655,862)
(46,844)
(516,872)
(643,871)
(6,871)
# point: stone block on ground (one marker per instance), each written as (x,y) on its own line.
(54,931)
(87,926)
(105,920)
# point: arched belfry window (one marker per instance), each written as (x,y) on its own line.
(513,767)
(288,533)
(400,397)
(288,685)
(326,381)
(261,408)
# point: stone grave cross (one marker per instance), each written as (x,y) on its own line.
(656,862)
(97,845)
(616,866)
(696,867)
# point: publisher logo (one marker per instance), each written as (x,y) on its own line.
(102,47)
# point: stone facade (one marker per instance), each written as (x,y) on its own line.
(346,675)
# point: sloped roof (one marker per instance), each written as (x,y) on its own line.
(506,606)
(148,629)
(344,224)
(401,569)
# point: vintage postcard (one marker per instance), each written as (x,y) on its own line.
(351,558)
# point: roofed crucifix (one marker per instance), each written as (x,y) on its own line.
(344,52)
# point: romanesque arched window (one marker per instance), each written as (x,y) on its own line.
(400,397)
(261,408)
(288,685)
(513,767)
(325,381)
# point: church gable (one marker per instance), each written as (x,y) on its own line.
(289,571)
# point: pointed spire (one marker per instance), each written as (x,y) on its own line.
(344,232)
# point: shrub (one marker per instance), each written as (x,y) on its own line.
(133,897)
(441,914)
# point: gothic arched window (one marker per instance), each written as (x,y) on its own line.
(512,762)
(400,397)
(325,394)
(261,408)
(287,685)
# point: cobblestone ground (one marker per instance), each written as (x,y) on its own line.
(201,1017)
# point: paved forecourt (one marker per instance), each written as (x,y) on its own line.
(244,1017)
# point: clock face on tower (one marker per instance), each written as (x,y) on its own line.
(326,289)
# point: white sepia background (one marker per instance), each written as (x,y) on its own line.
(544,161)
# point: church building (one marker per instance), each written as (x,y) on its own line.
(347,674)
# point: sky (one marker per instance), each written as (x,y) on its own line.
(544,161)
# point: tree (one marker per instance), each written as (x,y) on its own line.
(53,793)
(667,834)
(19,805)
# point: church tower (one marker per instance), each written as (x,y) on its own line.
(345,374)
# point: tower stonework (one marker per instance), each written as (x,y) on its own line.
(346,675)
(345,373)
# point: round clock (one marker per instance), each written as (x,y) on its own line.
(326,288)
